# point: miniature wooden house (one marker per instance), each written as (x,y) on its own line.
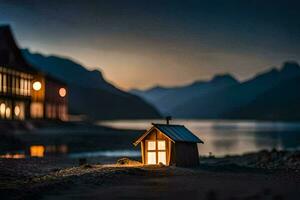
(169,145)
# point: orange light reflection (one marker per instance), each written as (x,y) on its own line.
(37,151)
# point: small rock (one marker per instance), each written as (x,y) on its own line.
(87,166)
(127,161)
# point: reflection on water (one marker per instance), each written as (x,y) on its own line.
(56,149)
(41,150)
(37,151)
(220,138)
(13,155)
(223,137)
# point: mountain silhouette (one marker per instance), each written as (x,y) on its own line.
(168,99)
(266,96)
(89,93)
(279,103)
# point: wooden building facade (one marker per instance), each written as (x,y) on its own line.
(169,145)
(25,92)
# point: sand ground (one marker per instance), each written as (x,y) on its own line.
(178,183)
(57,179)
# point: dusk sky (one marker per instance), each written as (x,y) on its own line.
(139,44)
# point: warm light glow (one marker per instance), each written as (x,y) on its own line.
(7,112)
(36,110)
(17,110)
(13,156)
(37,151)
(2,108)
(151,158)
(161,145)
(156,152)
(151,145)
(162,157)
(37,85)
(62,92)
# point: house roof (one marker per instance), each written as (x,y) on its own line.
(177,133)
(10,54)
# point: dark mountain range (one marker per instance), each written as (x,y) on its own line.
(280,102)
(167,99)
(230,99)
(89,93)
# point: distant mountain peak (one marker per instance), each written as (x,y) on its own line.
(272,71)
(98,74)
(290,66)
(224,78)
(156,88)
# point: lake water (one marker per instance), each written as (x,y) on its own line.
(223,137)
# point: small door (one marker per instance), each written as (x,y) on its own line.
(156,152)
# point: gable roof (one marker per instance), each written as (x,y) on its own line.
(177,133)
(10,54)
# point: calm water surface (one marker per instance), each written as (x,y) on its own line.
(230,137)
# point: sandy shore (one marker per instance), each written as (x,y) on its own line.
(262,175)
(57,178)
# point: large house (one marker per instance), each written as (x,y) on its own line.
(25,92)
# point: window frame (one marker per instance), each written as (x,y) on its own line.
(156,150)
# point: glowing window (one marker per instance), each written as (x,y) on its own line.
(2,109)
(17,110)
(156,154)
(151,158)
(161,145)
(25,87)
(4,83)
(28,87)
(151,145)
(7,113)
(162,157)
(62,92)
(21,86)
(36,110)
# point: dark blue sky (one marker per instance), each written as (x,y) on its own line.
(144,43)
